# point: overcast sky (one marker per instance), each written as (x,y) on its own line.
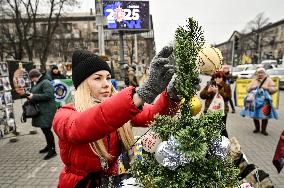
(219,18)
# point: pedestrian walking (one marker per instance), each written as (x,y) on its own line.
(229,80)
(42,94)
(217,85)
(258,102)
(96,129)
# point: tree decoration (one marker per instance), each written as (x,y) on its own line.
(209,60)
(150,141)
(190,139)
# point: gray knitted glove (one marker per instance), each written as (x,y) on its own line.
(171,90)
(161,72)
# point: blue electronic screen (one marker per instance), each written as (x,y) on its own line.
(127,15)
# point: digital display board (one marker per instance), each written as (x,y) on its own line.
(127,15)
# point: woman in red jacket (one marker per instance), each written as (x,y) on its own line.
(93,130)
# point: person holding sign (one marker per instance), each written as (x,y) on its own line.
(258,102)
(215,90)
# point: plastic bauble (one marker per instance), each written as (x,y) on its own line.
(195,106)
(130,183)
(209,60)
(158,154)
(150,141)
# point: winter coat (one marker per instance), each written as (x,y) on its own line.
(225,92)
(267,85)
(43,95)
(56,76)
(76,130)
(230,79)
(278,159)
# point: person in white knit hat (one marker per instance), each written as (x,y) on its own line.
(264,82)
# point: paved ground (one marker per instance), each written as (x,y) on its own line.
(259,148)
(22,166)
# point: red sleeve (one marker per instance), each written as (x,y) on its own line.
(96,122)
(163,106)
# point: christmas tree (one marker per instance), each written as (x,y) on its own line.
(190,154)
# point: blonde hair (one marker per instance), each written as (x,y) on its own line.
(84,100)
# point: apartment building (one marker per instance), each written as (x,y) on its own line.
(255,46)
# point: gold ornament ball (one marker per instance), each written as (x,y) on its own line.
(195,106)
(209,60)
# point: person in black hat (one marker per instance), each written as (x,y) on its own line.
(42,94)
(94,130)
(55,73)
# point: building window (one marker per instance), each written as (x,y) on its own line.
(115,52)
(43,28)
(96,44)
(76,45)
(75,25)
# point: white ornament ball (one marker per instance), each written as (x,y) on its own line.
(158,154)
(150,141)
(209,60)
(130,183)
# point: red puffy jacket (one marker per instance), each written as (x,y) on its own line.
(76,130)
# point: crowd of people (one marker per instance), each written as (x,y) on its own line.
(97,128)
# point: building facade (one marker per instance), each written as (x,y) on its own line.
(79,31)
(255,46)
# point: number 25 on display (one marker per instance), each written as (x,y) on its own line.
(134,13)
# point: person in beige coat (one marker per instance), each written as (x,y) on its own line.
(267,85)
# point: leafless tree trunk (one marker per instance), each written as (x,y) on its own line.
(130,47)
(23,16)
(55,11)
(255,38)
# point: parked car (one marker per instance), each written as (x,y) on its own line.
(269,62)
(238,69)
(277,72)
(250,72)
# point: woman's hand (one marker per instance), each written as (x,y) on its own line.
(30,96)
(171,90)
(162,69)
(215,89)
(212,89)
